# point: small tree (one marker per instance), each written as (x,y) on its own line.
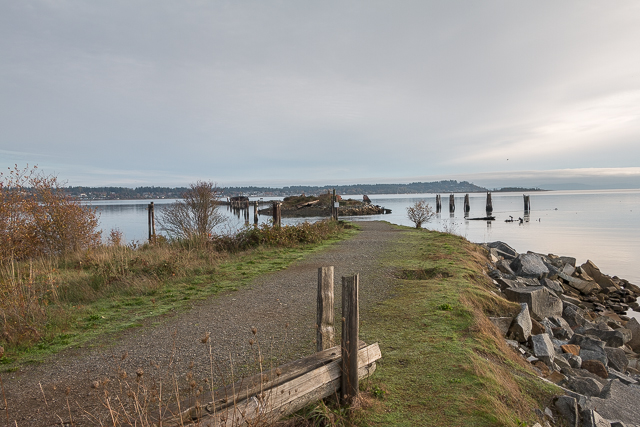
(420,213)
(195,216)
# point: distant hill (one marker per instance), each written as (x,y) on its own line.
(124,193)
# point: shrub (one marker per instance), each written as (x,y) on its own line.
(38,218)
(420,213)
(195,216)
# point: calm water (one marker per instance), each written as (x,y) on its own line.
(603,226)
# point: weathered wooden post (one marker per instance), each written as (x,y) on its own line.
(325,333)
(277,214)
(489,204)
(527,203)
(467,208)
(334,210)
(438,203)
(152,222)
(255,212)
(350,319)
(452,203)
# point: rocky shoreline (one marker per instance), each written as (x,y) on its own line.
(314,211)
(572,328)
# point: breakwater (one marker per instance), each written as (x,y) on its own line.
(574,330)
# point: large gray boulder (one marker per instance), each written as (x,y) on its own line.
(502,323)
(520,329)
(584,385)
(567,407)
(560,328)
(634,326)
(574,315)
(585,287)
(541,302)
(617,358)
(542,347)
(591,418)
(590,348)
(551,285)
(529,265)
(616,338)
(503,249)
(594,272)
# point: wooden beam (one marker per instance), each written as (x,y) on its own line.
(325,313)
(350,330)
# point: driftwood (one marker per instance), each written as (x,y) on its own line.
(307,204)
(484,218)
(278,392)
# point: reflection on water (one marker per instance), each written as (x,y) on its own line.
(603,226)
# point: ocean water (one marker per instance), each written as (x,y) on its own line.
(603,226)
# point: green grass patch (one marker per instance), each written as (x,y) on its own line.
(443,362)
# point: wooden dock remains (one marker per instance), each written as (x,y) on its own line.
(152,222)
(438,203)
(277,213)
(467,207)
(527,203)
(452,203)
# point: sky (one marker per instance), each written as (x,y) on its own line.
(498,93)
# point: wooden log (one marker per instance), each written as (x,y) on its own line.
(349,344)
(452,203)
(489,204)
(286,398)
(325,314)
(307,204)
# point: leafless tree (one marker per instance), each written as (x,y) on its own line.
(196,215)
(420,213)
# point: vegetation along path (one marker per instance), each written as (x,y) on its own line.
(91,385)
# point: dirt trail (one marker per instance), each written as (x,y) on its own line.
(281,306)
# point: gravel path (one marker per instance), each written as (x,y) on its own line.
(281,306)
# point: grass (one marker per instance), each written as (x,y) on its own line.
(70,301)
(444,364)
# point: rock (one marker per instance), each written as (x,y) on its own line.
(617,358)
(567,407)
(590,348)
(552,285)
(624,379)
(562,330)
(621,403)
(544,369)
(595,367)
(574,361)
(617,423)
(591,418)
(556,377)
(633,288)
(592,270)
(586,386)
(503,250)
(542,348)
(568,269)
(529,265)
(505,267)
(502,323)
(583,286)
(571,349)
(616,338)
(541,302)
(520,329)
(573,315)
(634,326)
(537,328)
(504,283)
(562,362)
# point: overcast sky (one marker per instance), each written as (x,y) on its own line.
(294,92)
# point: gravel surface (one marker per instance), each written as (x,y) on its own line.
(280,306)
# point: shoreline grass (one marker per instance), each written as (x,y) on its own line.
(74,299)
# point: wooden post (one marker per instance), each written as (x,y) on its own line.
(325,318)
(255,212)
(149,207)
(489,204)
(334,210)
(350,318)
(152,222)
(467,208)
(527,203)
(438,203)
(277,213)
(452,203)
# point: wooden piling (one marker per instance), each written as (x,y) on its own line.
(527,203)
(489,204)
(334,210)
(350,319)
(452,203)
(325,316)
(152,222)
(255,212)
(438,203)
(467,207)
(277,213)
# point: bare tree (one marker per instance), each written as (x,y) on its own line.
(196,215)
(420,213)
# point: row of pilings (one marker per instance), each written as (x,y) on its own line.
(467,205)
